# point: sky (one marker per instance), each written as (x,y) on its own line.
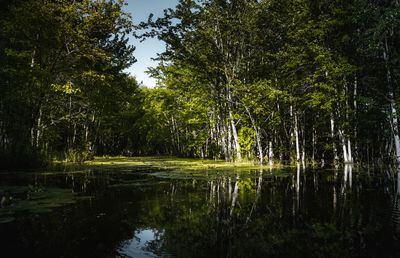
(140,10)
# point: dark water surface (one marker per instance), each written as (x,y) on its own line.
(147,213)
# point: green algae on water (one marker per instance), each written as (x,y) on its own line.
(33,200)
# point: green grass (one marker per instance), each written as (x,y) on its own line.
(174,163)
(183,168)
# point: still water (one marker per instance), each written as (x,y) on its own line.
(292,212)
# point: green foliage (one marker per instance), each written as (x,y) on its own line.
(61,72)
(236,76)
(246,140)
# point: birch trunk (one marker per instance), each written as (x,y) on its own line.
(335,153)
(343,140)
(303,148)
(349,156)
(270,154)
(295,131)
(355,117)
(258,141)
(235,137)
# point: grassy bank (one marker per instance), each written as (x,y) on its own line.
(163,162)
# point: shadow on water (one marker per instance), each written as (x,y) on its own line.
(141,213)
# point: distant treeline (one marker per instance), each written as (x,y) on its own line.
(273,80)
(281,80)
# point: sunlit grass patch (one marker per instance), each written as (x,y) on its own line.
(164,162)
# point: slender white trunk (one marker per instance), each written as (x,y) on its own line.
(313,144)
(398,183)
(395,132)
(349,156)
(335,155)
(270,154)
(296,135)
(224,143)
(355,117)
(345,156)
(303,150)
(235,137)
(291,131)
(258,141)
(229,143)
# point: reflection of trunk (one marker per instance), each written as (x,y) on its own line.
(258,194)
(298,185)
(235,194)
(212,193)
(334,193)
(315,177)
(344,187)
(398,183)
(350,175)
(296,199)
(396,206)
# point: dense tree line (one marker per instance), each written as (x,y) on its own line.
(294,80)
(277,81)
(62,80)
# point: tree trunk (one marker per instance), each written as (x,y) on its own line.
(258,141)
(270,153)
(313,144)
(335,153)
(355,118)
(343,140)
(296,135)
(235,138)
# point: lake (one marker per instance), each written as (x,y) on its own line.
(148,212)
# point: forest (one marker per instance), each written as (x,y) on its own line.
(274,81)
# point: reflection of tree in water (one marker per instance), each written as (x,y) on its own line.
(309,212)
(262,213)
